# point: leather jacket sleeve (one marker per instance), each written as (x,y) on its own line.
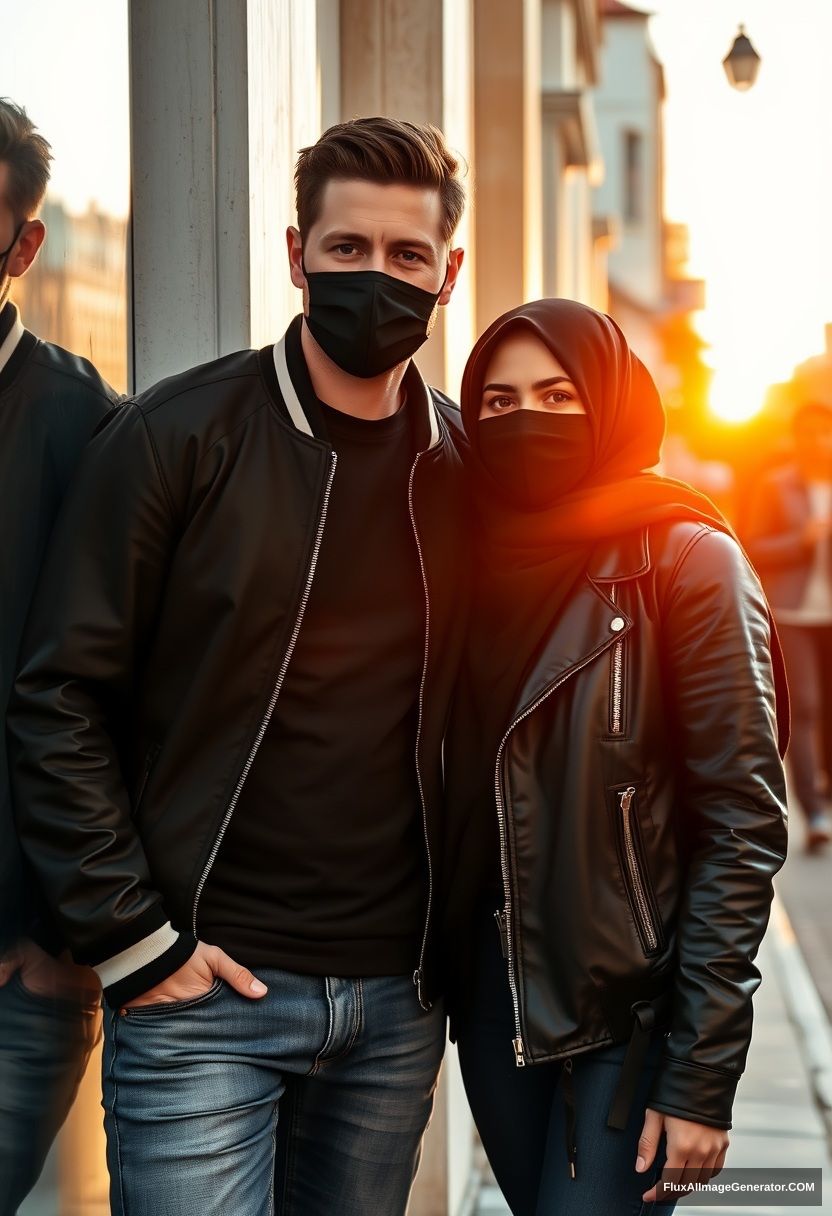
(94,606)
(733,819)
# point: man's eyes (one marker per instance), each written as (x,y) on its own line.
(410,256)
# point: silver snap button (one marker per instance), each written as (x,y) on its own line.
(617,624)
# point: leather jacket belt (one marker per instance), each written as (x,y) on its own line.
(647,1016)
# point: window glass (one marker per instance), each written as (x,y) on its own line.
(67,65)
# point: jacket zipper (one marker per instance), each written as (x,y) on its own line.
(418,974)
(638,887)
(617,679)
(517,1043)
(281,676)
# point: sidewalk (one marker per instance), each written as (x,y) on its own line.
(777,1121)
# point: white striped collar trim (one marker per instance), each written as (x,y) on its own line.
(12,339)
(296,411)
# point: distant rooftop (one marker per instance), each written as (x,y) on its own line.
(615,8)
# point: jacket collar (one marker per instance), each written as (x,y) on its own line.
(620,558)
(590,622)
(301,412)
(12,339)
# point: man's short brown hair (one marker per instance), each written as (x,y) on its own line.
(381,150)
(27,154)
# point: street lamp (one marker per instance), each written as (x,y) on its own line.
(742,63)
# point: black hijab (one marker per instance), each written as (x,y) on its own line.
(529,560)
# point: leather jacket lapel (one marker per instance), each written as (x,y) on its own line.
(588,625)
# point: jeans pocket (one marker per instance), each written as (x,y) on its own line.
(159,1008)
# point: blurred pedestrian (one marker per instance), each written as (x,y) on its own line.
(50,403)
(615,786)
(789,534)
(229,720)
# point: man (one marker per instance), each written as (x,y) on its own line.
(789,533)
(50,402)
(229,718)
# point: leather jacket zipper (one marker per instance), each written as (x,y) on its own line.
(281,676)
(418,974)
(617,680)
(517,1043)
(638,884)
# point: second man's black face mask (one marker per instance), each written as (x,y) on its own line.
(367,321)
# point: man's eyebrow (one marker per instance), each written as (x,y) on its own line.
(346,238)
(361,238)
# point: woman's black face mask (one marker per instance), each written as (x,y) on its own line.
(367,321)
(536,457)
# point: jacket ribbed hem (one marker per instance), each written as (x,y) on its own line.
(152,973)
(128,934)
(705,1095)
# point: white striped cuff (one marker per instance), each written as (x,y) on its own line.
(117,968)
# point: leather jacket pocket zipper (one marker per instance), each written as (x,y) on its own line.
(150,760)
(642,898)
(616,681)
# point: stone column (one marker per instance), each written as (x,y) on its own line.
(507,160)
(222,98)
(413,61)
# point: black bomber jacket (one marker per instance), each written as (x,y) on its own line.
(50,403)
(172,595)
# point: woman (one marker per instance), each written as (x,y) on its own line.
(617,798)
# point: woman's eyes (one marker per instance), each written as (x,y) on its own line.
(554,399)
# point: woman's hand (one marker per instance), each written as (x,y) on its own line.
(691,1146)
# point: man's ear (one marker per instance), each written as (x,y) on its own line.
(455,258)
(26,249)
(294,246)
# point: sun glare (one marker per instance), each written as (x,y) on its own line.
(746,172)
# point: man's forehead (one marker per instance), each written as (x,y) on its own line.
(391,208)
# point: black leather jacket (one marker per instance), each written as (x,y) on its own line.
(172,595)
(50,403)
(642,809)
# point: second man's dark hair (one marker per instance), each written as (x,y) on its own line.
(27,155)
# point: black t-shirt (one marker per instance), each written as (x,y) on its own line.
(322,868)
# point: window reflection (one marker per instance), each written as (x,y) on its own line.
(75,88)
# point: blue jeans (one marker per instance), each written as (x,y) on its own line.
(520,1112)
(45,1043)
(311,1101)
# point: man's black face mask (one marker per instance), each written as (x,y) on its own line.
(367,321)
(4,261)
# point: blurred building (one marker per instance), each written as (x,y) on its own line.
(650,294)
(76,292)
